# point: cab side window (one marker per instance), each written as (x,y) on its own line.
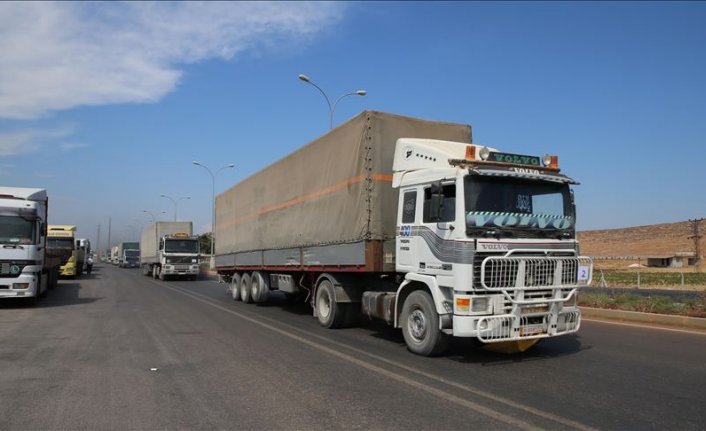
(448,208)
(409,207)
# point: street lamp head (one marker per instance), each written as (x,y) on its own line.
(196,163)
(163,196)
(361,92)
(304,77)
(232,165)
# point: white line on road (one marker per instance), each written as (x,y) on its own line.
(494,414)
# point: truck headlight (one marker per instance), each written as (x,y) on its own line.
(479,304)
(193,261)
(20,286)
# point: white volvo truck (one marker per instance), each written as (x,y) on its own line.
(169,249)
(26,271)
(408,221)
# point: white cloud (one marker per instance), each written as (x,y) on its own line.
(28,141)
(59,55)
(69,146)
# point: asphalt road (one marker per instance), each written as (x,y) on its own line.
(122,351)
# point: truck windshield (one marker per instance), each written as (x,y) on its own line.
(516,204)
(16,230)
(132,253)
(60,243)
(181,246)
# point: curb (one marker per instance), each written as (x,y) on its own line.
(650,318)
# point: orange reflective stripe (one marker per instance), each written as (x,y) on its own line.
(312,196)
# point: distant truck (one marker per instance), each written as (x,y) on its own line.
(84,247)
(129,255)
(115,255)
(27,270)
(169,249)
(62,243)
(407,221)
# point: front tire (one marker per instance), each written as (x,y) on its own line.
(420,325)
(329,313)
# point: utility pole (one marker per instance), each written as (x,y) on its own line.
(109,223)
(98,241)
(697,240)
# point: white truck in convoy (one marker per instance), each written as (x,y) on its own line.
(26,270)
(129,254)
(408,221)
(169,249)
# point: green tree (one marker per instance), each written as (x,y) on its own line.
(205,242)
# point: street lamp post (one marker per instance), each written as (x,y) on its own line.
(154,219)
(331,107)
(174,201)
(213,203)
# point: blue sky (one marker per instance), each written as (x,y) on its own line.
(107,104)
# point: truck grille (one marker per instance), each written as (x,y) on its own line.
(12,269)
(530,271)
(180,259)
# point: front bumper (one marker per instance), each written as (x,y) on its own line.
(510,327)
(177,269)
(8,286)
(68,270)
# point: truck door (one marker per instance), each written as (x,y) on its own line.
(406,222)
(435,247)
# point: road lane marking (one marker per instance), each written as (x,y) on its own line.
(637,325)
(445,395)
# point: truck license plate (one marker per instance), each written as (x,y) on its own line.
(531,330)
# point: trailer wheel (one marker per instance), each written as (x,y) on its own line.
(420,325)
(259,288)
(245,288)
(329,313)
(146,270)
(235,287)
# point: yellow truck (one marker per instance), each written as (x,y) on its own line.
(62,243)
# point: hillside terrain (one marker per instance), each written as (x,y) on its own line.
(643,241)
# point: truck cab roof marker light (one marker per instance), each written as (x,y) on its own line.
(551,162)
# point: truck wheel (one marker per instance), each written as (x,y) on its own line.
(161,275)
(42,293)
(329,313)
(245,288)
(145,270)
(235,287)
(155,271)
(420,325)
(259,288)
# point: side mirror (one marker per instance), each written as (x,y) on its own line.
(436,202)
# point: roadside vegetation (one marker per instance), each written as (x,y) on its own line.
(683,306)
(653,279)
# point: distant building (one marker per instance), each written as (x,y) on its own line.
(679,260)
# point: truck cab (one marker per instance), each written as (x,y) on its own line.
(490,237)
(25,270)
(178,256)
(61,244)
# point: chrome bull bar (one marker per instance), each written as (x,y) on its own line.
(493,329)
(509,272)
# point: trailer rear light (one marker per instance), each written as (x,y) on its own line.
(20,286)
